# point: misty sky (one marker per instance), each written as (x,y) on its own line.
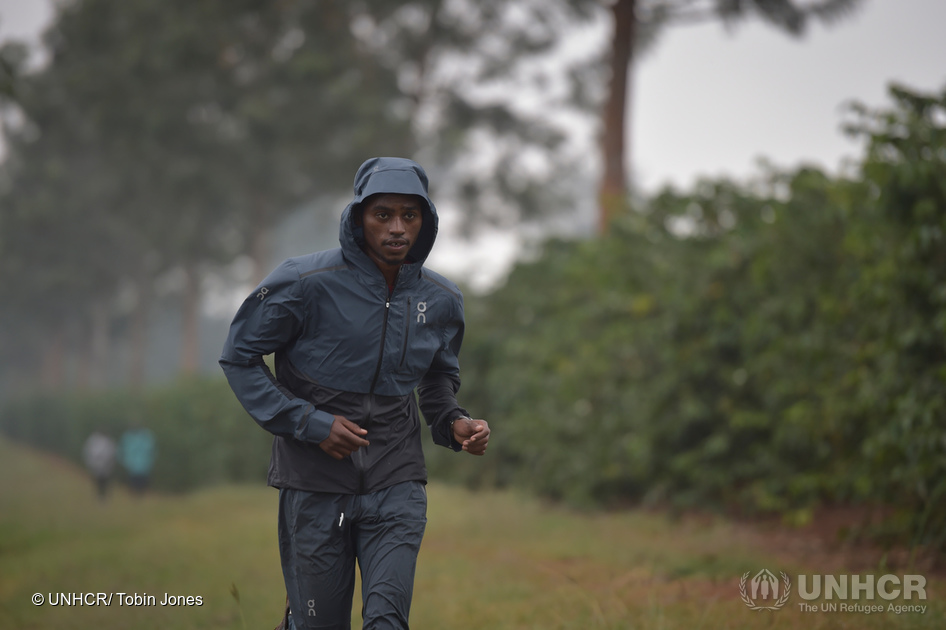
(711,102)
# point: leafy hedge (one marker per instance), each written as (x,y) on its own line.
(202,433)
(765,347)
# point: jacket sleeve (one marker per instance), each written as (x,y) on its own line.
(269,319)
(437,391)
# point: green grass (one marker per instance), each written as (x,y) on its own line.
(490,560)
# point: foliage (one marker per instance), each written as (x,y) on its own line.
(202,434)
(636,26)
(11,57)
(766,347)
(168,137)
(904,287)
(763,347)
(165,139)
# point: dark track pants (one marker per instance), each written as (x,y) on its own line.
(321,535)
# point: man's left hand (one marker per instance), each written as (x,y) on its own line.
(473,435)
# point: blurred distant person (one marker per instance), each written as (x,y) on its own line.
(98,453)
(354,331)
(137,455)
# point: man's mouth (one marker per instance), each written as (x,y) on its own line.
(395,244)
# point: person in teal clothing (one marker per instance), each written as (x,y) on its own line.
(137,451)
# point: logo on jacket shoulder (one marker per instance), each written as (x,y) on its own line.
(422,312)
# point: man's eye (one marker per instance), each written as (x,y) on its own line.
(381,215)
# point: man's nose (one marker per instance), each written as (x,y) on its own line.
(397,225)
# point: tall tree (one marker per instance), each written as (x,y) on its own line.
(8,71)
(178,133)
(629,16)
(463,66)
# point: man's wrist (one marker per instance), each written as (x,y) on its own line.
(454,421)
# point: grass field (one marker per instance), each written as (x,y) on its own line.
(490,560)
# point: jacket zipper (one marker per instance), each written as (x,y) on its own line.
(384,333)
(407,332)
(358,456)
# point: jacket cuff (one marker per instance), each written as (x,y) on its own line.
(317,427)
(447,430)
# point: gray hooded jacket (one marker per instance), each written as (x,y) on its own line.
(346,346)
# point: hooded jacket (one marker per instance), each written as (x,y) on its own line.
(344,345)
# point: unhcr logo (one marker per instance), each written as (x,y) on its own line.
(764,591)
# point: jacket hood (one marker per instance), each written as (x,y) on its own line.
(389,175)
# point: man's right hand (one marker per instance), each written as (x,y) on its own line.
(346,438)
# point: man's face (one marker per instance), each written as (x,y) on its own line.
(391,223)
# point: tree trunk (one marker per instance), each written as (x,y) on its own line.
(190,321)
(54,359)
(139,331)
(612,194)
(83,354)
(98,349)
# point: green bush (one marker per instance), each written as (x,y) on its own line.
(202,433)
(765,347)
